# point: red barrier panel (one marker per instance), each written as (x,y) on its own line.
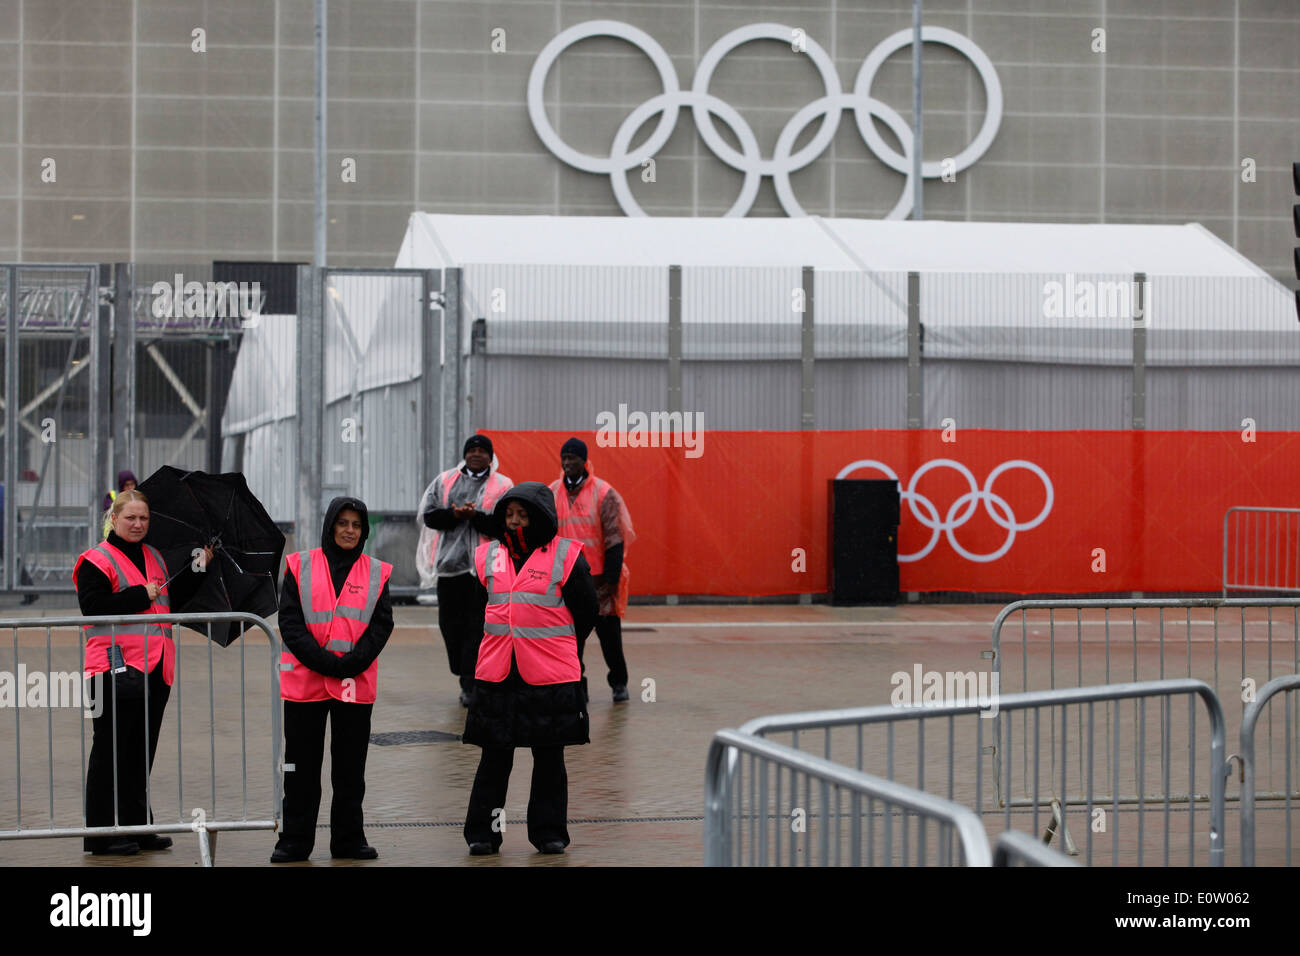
(999,511)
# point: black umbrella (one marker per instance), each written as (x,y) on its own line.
(192,509)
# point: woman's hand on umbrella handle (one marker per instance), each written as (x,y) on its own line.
(153,589)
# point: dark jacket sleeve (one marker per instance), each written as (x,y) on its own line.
(579,595)
(613,566)
(440,519)
(296,637)
(487,524)
(372,639)
(96,597)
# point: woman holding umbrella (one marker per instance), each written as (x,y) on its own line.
(528,682)
(335,618)
(122,575)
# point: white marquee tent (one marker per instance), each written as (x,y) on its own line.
(1025,325)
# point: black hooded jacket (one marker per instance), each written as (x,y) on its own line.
(293,628)
(512,712)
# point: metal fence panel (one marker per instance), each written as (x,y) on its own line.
(1289,689)
(1261,550)
(1235,645)
(827,814)
(1100,762)
(225,774)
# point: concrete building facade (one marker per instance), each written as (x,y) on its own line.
(181,130)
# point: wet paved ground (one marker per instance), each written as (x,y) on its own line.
(635,793)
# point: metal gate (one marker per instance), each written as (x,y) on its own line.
(55,448)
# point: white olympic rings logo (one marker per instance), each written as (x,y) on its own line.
(704,106)
(968,502)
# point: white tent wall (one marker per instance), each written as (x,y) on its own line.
(577,310)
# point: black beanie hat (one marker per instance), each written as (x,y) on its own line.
(574,446)
(477,441)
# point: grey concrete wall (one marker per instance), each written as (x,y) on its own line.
(163,153)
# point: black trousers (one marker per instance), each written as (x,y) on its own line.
(609,630)
(133,735)
(460,618)
(304,748)
(548,801)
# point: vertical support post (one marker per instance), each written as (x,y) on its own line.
(477,385)
(124,366)
(431,378)
(808,389)
(101,397)
(674,339)
(917,45)
(11,428)
(322,100)
(221,370)
(451,393)
(1139,411)
(311,402)
(915,337)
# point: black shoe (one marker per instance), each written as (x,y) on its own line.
(363,852)
(620,694)
(153,842)
(118,848)
(481,849)
(464,698)
(31,598)
(287,855)
(551,846)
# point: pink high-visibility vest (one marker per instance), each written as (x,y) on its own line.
(337,621)
(581,521)
(526,615)
(143,644)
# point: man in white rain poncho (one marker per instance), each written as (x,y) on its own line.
(456,515)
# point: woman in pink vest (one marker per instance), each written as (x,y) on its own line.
(136,666)
(335,618)
(527,683)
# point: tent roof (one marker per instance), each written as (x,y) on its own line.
(438,241)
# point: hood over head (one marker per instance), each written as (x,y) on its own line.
(542,523)
(332,551)
(124,476)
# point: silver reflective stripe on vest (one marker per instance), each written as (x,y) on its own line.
(122,579)
(372,595)
(490,627)
(338,644)
(125,630)
(490,559)
(558,630)
(557,566)
(305,592)
(531,597)
(163,600)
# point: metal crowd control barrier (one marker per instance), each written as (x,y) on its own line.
(728,817)
(61,789)
(1235,644)
(1261,549)
(1287,687)
(966,744)
(1015,848)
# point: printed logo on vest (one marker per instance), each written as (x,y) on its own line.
(535,573)
(354,588)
